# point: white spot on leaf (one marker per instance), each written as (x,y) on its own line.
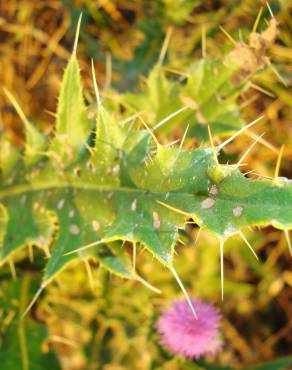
(156,220)
(134,205)
(207,203)
(60,204)
(237,211)
(74,229)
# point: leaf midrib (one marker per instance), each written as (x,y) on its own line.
(28,188)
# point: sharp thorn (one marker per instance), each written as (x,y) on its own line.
(262,141)
(212,144)
(222,268)
(149,130)
(33,300)
(17,107)
(270,10)
(148,285)
(277,74)
(97,96)
(131,118)
(184,137)
(279,159)
(246,103)
(248,244)
(249,149)
(221,146)
(77,35)
(197,236)
(84,247)
(170,116)
(261,89)
(256,23)
(173,142)
(228,35)
(165,46)
(184,291)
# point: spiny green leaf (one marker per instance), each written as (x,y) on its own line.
(71,114)
(210,89)
(95,202)
(124,189)
(207,90)
(73,125)
(236,202)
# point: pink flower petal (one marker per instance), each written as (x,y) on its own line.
(185,335)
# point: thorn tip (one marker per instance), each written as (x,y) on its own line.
(184,291)
(77,35)
(221,146)
(222,268)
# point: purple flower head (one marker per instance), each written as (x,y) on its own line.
(184,334)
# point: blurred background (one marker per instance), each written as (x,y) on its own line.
(73,328)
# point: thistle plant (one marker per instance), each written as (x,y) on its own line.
(107,184)
(98,184)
